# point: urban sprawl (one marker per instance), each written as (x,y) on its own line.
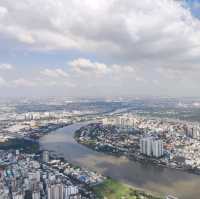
(38,175)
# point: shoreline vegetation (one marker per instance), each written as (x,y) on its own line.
(112,189)
(29,146)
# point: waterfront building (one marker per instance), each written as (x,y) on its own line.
(157,148)
(146,146)
(151,147)
(196,132)
(45,156)
(122,122)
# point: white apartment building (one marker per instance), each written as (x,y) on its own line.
(151,147)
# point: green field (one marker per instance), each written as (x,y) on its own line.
(112,189)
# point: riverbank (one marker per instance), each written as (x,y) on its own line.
(149,178)
(112,189)
(27,145)
(145,160)
(96,138)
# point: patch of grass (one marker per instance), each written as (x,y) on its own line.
(112,189)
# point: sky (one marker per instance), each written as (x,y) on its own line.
(99,48)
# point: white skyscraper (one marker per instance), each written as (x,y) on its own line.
(70,190)
(157,148)
(146,146)
(151,147)
(45,156)
(55,191)
(36,195)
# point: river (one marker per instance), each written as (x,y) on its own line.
(155,179)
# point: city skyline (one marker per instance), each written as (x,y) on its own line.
(99,48)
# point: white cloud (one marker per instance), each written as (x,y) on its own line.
(148,32)
(137,36)
(102,75)
(3,12)
(2,82)
(120,69)
(55,73)
(83,65)
(93,74)
(21,82)
(6,67)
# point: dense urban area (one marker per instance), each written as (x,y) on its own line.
(117,128)
(26,172)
